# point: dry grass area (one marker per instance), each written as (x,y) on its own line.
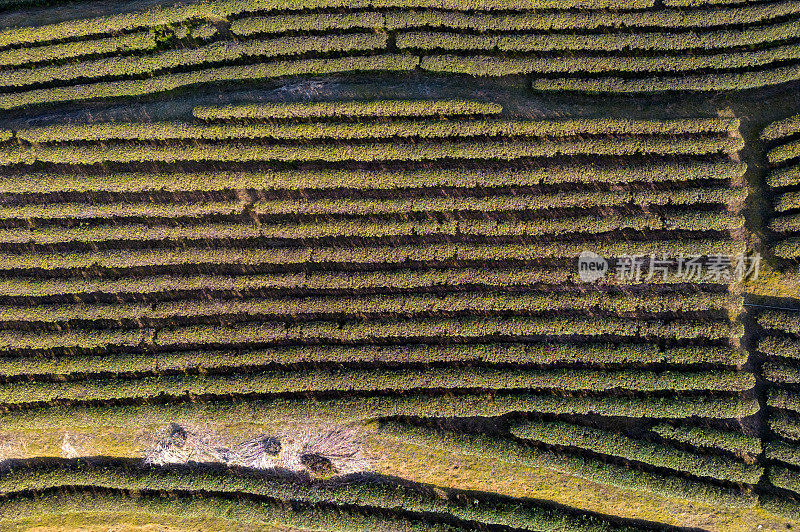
(122,522)
(470,473)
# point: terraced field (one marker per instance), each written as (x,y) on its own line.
(397,265)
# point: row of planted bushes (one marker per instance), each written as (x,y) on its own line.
(495,65)
(492,149)
(371,330)
(378,380)
(347,109)
(167,82)
(435,202)
(604,42)
(545,227)
(589,468)
(492,353)
(364,495)
(216,52)
(448,253)
(406,304)
(552,174)
(232,411)
(656,454)
(707,438)
(158,131)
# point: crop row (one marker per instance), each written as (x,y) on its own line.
(785,400)
(785,478)
(781,320)
(506,149)
(354,408)
(153,209)
(529,301)
(493,203)
(494,353)
(371,331)
(783,451)
(380,380)
(779,346)
(604,13)
(217,52)
(717,81)
(782,128)
(593,469)
(163,16)
(80,504)
(785,177)
(702,437)
(490,65)
(396,254)
(617,445)
(784,152)
(516,21)
(347,109)
(167,82)
(787,201)
(787,249)
(785,224)
(23,56)
(365,228)
(434,202)
(603,42)
(781,372)
(591,20)
(552,174)
(781,423)
(307,22)
(158,131)
(369,494)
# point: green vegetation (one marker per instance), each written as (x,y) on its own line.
(592,469)
(379,179)
(734,442)
(655,454)
(356,408)
(16,57)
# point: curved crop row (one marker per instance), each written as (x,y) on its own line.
(783,451)
(703,437)
(655,454)
(592,469)
(16,57)
(782,128)
(258,513)
(370,494)
(784,152)
(552,174)
(145,209)
(378,380)
(779,346)
(167,82)
(495,353)
(309,409)
(781,320)
(217,52)
(779,372)
(397,254)
(157,131)
(784,177)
